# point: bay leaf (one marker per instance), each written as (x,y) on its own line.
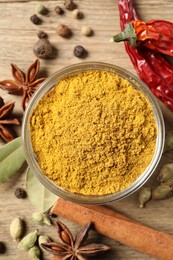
(11,159)
(41,198)
(10,147)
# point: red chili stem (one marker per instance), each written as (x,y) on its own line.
(151,67)
(156,35)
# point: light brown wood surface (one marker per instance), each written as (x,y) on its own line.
(17,36)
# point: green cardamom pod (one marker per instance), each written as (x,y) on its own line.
(169,182)
(165,173)
(162,192)
(41,218)
(46,220)
(37,217)
(28,241)
(168,141)
(16,228)
(144,196)
(35,253)
(43,239)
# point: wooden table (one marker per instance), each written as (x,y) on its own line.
(18,35)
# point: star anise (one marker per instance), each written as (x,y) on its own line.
(70,248)
(6,119)
(23,84)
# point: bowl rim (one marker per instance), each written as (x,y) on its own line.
(46,86)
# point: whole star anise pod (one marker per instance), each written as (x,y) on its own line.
(6,119)
(72,249)
(23,84)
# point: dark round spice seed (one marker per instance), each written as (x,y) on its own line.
(58,10)
(2,248)
(42,34)
(77,14)
(63,30)
(35,19)
(79,51)
(87,31)
(20,193)
(43,49)
(69,4)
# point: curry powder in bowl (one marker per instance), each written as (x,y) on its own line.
(94,133)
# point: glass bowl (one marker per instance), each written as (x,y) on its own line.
(92,199)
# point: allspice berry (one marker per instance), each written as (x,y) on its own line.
(77,14)
(86,31)
(41,34)
(63,30)
(43,49)
(79,51)
(69,4)
(58,10)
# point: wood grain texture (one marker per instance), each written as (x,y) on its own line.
(18,35)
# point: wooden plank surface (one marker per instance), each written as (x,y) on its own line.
(18,35)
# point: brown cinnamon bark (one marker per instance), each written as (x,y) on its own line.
(118,227)
(108,212)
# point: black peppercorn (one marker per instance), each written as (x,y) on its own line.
(35,19)
(42,34)
(58,10)
(43,49)
(2,248)
(69,4)
(20,193)
(79,51)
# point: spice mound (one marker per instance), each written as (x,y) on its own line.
(93,133)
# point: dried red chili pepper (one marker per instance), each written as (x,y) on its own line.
(151,67)
(155,34)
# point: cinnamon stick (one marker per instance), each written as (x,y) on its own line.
(108,212)
(118,227)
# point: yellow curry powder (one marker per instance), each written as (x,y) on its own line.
(93,133)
